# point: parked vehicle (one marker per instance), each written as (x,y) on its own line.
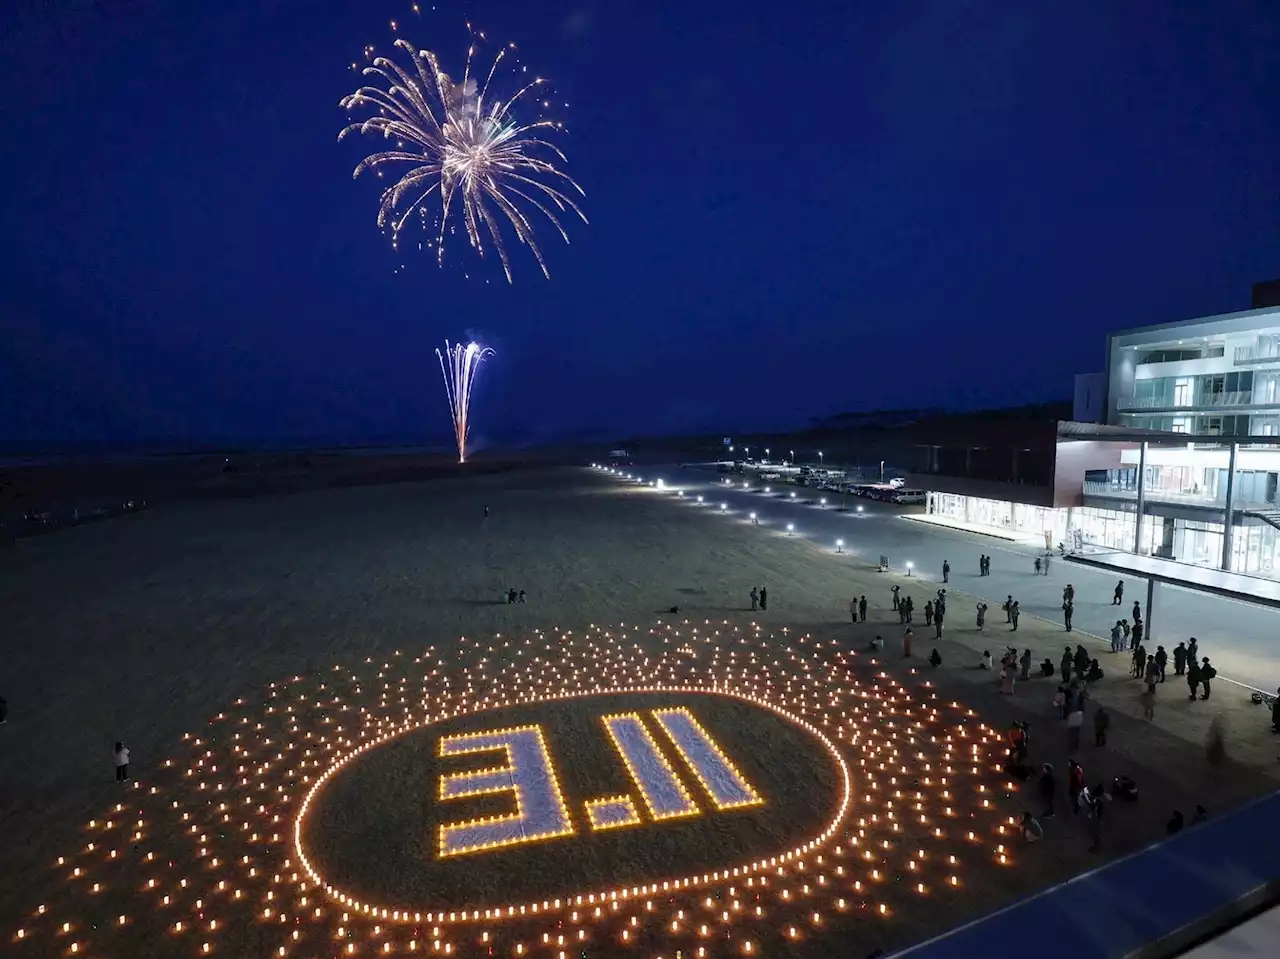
(909,497)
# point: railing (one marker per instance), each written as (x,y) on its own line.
(1157,495)
(1204,400)
(1256,354)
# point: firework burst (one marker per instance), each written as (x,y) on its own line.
(464,152)
(459,364)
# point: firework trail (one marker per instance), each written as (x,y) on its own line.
(460,364)
(467,155)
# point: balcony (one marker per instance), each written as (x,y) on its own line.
(1155,494)
(1268,352)
(1205,401)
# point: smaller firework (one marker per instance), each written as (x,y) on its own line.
(459,364)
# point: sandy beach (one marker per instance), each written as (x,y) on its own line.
(143,628)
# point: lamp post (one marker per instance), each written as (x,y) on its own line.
(839,546)
(909,565)
(791,528)
(754,521)
(793,457)
(820,460)
(823,502)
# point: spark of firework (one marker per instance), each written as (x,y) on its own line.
(459,364)
(467,154)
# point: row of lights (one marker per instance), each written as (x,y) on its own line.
(923,768)
(661,484)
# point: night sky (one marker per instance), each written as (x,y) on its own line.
(796,209)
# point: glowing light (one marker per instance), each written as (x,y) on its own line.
(459,372)
(466,151)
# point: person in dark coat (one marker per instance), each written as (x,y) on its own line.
(1207,673)
(1193,677)
(1180,659)
(1065,665)
(764,598)
(1275,712)
(1081,662)
(1101,723)
(1047,788)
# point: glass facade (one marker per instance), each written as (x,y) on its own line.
(1255,547)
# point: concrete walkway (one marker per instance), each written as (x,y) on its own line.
(1243,641)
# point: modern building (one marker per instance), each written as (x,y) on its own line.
(1218,376)
(1186,466)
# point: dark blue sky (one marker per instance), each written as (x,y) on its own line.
(796,208)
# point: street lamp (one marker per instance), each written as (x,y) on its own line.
(819,457)
(791,528)
(722,507)
(859,509)
(766,452)
(754,520)
(793,495)
(839,546)
(768,489)
(699,499)
(909,565)
(793,457)
(823,501)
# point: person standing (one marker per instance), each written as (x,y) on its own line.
(1101,723)
(1075,784)
(1014,613)
(121,755)
(1150,674)
(764,598)
(853,609)
(1192,652)
(862,609)
(1047,557)
(1075,722)
(937,622)
(906,644)
(1025,663)
(1162,660)
(894,590)
(1180,659)
(1193,677)
(1037,564)
(1207,673)
(755,598)
(1065,665)
(1137,611)
(982,615)
(1148,700)
(1067,610)
(1047,789)
(1008,608)
(911,608)
(1097,806)
(946,571)
(1117,598)
(486,512)
(1117,644)
(928,613)
(1137,632)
